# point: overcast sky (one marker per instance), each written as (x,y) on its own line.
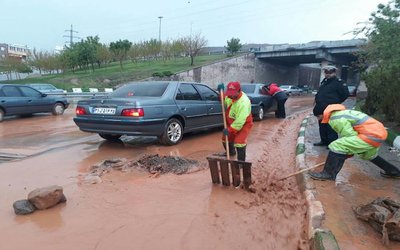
(42,24)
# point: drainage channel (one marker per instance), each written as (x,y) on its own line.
(6,157)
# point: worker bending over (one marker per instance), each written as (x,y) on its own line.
(359,135)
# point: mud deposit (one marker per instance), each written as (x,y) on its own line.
(154,164)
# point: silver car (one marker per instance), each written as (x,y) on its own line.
(163,109)
(291,89)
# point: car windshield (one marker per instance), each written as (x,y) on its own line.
(149,89)
(248,89)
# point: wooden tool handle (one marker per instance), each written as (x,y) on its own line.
(221,93)
(303,170)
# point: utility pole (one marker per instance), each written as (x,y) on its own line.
(71,36)
(159,29)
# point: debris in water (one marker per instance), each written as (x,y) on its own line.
(383,215)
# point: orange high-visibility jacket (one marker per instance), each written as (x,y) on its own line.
(352,122)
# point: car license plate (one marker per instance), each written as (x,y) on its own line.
(104,111)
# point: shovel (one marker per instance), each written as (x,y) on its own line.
(301,171)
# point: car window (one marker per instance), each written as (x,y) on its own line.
(29,92)
(248,89)
(179,95)
(150,89)
(11,91)
(188,92)
(208,93)
(262,90)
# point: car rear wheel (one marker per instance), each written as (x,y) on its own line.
(173,132)
(110,137)
(260,114)
(58,109)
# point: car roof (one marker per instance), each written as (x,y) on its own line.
(163,82)
(249,83)
(10,84)
(37,84)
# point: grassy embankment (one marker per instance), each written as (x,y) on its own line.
(112,75)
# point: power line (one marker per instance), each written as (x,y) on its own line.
(71,36)
(159,29)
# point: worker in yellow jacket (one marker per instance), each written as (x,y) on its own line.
(359,135)
(238,117)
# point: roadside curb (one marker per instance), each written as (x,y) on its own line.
(318,237)
(393,139)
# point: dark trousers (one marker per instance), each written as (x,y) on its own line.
(281,98)
(326,133)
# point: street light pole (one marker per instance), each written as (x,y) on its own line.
(159,29)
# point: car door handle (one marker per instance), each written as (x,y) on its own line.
(183,109)
(211,108)
(29,100)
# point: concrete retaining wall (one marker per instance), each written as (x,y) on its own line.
(240,69)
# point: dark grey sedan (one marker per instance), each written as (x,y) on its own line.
(163,109)
(23,100)
(261,102)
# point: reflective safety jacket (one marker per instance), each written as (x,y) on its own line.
(354,123)
(238,112)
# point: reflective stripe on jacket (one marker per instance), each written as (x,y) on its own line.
(352,122)
(238,111)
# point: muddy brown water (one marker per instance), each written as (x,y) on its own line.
(134,211)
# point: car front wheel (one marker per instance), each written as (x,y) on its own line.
(173,132)
(110,137)
(58,109)
(1,115)
(260,114)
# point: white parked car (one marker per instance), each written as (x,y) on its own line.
(291,89)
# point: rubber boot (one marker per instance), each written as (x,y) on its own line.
(232,151)
(241,153)
(333,165)
(389,170)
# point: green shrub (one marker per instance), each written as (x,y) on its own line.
(167,73)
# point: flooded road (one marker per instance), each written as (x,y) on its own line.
(132,210)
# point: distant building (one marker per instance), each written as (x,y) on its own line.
(16,51)
(3,50)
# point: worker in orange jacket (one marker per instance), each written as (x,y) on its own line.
(238,118)
(359,135)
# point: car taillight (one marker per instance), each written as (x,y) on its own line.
(136,112)
(80,110)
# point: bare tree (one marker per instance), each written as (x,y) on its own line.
(192,45)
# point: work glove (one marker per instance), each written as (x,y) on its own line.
(220,86)
(225,132)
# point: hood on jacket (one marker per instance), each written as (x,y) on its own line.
(329,109)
